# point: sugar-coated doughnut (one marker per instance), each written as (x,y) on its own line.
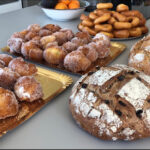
(122,7)
(44,32)
(122,25)
(102,18)
(34,28)
(104,6)
(134,21)
(70,46)
(103,27)
(6,59)
(87,23)
(51,27)
(121,33)
(135,32)
(30,35)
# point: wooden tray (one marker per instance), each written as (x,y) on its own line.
(116,50)
(55,84)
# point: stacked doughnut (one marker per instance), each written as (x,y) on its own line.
(122,23)
(17,84)
(60,47)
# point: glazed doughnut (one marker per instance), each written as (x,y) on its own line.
(9,105)
(104,6)
(103,27)
(51,27)
(101,12)
(80,27)
(84,17)
(122,25)
(121,33)
(119,17)
(76,61)
(28,89)
(112,20)
(8,78)
(15,44)
(135,32)
(91,31)
(122,7)
(34,28)
(102,19)
(54,55)
(134,21)
(93,16)
(44,32)
(110,35)
(30,35)
(6,59)
(21,67)
(87,23)
(144,29)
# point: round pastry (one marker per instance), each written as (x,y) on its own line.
(92,16)
(87,23)
(99,12)
(104,6)
(91,31)
(122,25)
(119,17)
(80,27)
(84,36)
(44,32)
(103,27)
(15,44)
(70,46)
(102,19)
(135,32)
(20,34)
(122,7)
(54,55)
(121,33)
(84,17)
(68,33)
(30,35)
(113,103)
(144,29)
(2,64)
(76,61)
(112,20)
(34,28)
(8,78)
(51,27)
(21,67)
(6,59)
(8,104)
(134,21)
(28,89)
(139,57)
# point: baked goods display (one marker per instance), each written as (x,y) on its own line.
(112,103)
(139,56)
(122,23)
(60,48)
(17,83)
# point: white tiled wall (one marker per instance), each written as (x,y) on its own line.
(10,7)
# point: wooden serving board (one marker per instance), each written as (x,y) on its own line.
(55,84)
(116,50)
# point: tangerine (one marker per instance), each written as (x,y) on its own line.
(61,6)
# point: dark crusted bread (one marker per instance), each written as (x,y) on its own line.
(113,103)
(139,57)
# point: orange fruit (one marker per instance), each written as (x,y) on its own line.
(65,1)
(75,1)
(73,5)
(61,6)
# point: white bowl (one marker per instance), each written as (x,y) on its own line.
(67,14)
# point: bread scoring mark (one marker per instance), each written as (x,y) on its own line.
(102,76)
(94,114)
(109,121)
(139,57)
(128,133)
(135,92)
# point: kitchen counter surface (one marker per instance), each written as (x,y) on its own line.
(53,127)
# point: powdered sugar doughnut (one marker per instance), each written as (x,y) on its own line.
(69,33)
(21,67)
(76,62)
(6,59)
(30,35)
(70,46)
(8,104)
(51,27)
(45,32)
(28,89)
(34,28)
(84,37)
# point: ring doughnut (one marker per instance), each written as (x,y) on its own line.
(120,17)
(122,7)
(87,23)
(102,19)
(144,29)
(104,6)
(112,20)
(101,12)
(89,30)
(122,25)
(84,17)
(134,21)
(103,27)
(135,32)
(121,33)
(93,16)
(110,35)
(80,27)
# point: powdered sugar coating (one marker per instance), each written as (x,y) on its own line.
(138,57)
(94,114)
(84,108)
(135,92)
(145,77)
(128,133)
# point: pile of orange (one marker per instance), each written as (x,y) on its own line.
(68,4)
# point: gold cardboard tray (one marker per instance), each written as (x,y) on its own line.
(116,50)
(55,84)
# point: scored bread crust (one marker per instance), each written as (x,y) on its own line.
(139,56)
(113,103)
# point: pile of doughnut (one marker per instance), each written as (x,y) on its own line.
(122,23)
(60,47)
(17,84)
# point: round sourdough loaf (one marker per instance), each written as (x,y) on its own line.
(139,57)
(113,103)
